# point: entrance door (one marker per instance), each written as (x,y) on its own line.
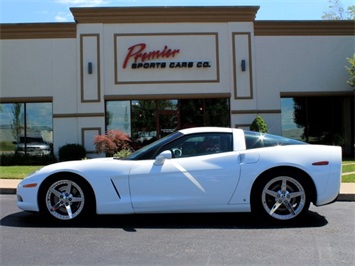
(168,123)
(154,119)
(204,175)
(167,117)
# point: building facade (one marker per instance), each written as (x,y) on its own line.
(150,71)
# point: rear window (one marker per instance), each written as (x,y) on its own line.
(256,140)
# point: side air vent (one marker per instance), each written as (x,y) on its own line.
(113,184)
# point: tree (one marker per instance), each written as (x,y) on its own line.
(217,112)
(112,142)
(143,116)
(337,11)
(319,118)
(351,71)
(16,125)
(258,125)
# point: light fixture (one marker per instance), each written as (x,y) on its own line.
(90,67)
(243,65)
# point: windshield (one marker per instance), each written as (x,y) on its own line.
(148,152)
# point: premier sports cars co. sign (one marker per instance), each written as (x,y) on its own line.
(166,58)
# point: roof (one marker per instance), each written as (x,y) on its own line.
(164,14)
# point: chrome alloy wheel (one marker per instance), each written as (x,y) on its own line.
(65,199)
(283,198)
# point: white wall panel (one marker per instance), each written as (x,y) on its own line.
(64,80)
(27,68)
(300,64)
(242,67)
(90,67)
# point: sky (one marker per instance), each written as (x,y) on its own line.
(43,11)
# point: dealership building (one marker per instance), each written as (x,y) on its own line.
(151,71)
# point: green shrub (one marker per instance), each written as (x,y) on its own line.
(258,125)
(122,153)
(25,159)
(71,152)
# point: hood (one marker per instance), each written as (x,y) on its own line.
(80,166)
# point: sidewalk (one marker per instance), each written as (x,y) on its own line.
(347,190)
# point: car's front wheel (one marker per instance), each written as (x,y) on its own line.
(65,198)
(281,196)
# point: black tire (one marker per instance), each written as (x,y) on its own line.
(281,196)
(65,198)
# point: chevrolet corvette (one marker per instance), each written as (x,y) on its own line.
(203,169)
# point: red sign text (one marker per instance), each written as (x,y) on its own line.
(137,52)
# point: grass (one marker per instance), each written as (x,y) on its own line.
(16,172)
(348,178)
(19,172)
(348,167)
(7,146)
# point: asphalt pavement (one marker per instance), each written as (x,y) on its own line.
(347,190)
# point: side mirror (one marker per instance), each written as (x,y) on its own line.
(160,159)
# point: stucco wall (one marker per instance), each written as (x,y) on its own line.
(56,69)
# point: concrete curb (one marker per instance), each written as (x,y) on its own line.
(346,197)
(7,191)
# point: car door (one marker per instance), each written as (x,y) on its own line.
(204,173)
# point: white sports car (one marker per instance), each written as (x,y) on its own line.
(206,169)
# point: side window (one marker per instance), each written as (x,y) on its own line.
(200,144)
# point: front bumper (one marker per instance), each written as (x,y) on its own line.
(27,197)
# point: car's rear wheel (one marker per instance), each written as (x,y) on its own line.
(65,198)
(281,196)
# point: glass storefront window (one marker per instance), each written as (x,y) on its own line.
(290,128)
(168,105)
(118,116)
(149,120)
(143,122)
(26,128)
(192,113)
(39,120)
(11,125)
(205,112)
(319,120)
(217,112)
